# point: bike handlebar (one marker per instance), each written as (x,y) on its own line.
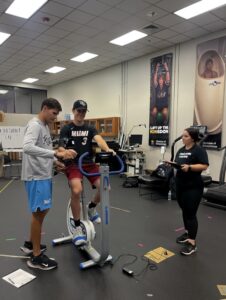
(98,173)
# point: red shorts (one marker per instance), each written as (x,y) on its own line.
(72,171)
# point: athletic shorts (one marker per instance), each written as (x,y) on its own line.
(72,171)
(39,194)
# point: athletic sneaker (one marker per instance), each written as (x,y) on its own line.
(182,238)
(79,236)
(42,262)
(93,215)
(28,248)
(188,249)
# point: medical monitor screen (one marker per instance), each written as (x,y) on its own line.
(135,139)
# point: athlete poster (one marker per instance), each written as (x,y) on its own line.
(209,89)
(161,74)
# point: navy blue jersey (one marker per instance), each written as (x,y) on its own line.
(78,138)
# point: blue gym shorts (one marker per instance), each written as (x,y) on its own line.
(39,194)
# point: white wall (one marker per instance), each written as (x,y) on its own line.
(16,119)
(124,90)
(101,90)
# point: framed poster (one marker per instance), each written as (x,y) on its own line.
(209,89)
(160,96)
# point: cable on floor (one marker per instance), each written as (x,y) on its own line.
(128,271)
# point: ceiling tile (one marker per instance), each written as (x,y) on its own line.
(196,33)
(67,25)
(14,45)
(215,26)
(204,19)
(174,5)
(165,34)
(57,32)
(134,22)
(184,26)
(101,23)
(75,38)
(133,6)
(35,26)
(151,13)
(169,20)
(27,33)
(12,20)
(40,17)
(94,7)
(115,15)
(220,12)
(56,9)
(80,17)
(4,5)
(71,3)
(88,31)
(110,2)
(163,44)
(180,38)
(47,38)
(152,1)
(8,28)
(40,44)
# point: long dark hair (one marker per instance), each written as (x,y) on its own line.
(194,133)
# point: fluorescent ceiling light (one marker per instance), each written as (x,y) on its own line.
(84,57)
(128,38)
(30,80)
(55,69)
(3,37)
(3,92)
(199,8)
(24,8)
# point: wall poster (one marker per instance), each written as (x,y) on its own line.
(161,74)
(209,89)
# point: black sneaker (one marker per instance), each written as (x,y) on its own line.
(27,248)
(42,262)
(182,238)
(188,249)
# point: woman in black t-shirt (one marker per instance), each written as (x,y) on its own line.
(189,186)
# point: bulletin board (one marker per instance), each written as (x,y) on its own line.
(11,137)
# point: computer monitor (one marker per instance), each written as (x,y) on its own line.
(135,139)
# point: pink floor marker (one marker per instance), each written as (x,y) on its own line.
(43,233)
(209,217)
(179,229)
(140,245)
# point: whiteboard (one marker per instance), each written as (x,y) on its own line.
(11,137)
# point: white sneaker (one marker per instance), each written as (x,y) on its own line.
(93,215)
(79,236)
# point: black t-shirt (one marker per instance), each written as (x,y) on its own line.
(195,155)
(78,138)
(162,97)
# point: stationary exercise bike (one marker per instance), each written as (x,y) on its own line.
(103,256)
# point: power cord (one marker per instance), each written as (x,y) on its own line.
(128,271)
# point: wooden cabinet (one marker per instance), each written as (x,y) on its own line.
(57,125)
(108,127)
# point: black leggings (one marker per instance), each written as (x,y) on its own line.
(189,200)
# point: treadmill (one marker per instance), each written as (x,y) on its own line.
(215,194)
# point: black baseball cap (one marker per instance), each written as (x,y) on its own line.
(80,104)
